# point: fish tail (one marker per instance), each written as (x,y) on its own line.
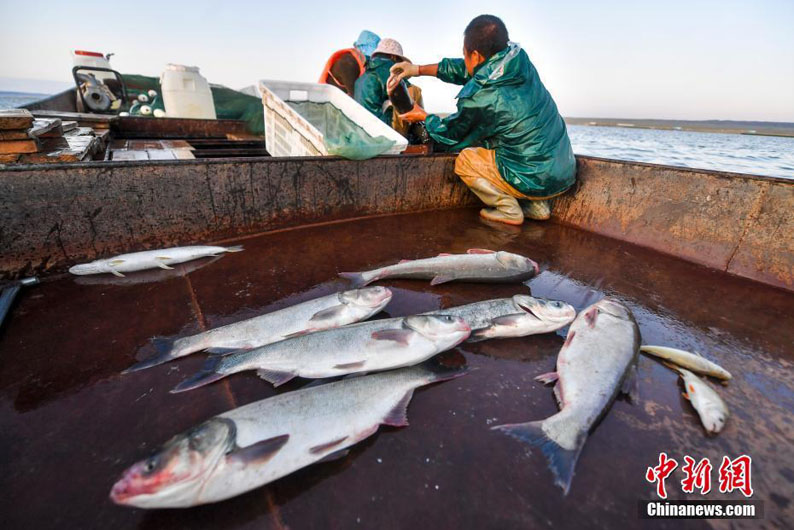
(358,279)
(165,353)
(208,374)
(235,248)
(561,461)
(441,372)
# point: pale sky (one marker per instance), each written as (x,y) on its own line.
(632,59)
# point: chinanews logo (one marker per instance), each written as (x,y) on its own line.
(733,475)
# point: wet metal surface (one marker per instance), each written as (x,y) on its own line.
(70,423)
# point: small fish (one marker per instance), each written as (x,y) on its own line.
(364,347)
(695,362)
(518,316)
(326,312)
(149,259)
(711,409)
(597,361)
(477,265)
(258,443)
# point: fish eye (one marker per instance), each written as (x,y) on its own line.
(556,304)
(151,464)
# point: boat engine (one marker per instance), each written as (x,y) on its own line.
(96,95)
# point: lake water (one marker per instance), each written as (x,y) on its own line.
(757,155)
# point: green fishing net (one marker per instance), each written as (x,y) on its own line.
(229,104)
(342,136)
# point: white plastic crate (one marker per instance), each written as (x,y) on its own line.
(287,133)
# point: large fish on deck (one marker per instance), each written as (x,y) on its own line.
(150,259)
(518,316)
(258,443)
(365,347)
(597,361)
(477,265)
(326,312)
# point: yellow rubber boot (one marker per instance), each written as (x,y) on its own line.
(507,209)
(537,210)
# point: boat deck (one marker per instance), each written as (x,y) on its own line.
(71,423)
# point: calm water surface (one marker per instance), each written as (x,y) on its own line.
(757,155)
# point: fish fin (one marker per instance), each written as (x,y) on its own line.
(590,316)
(404,261)
(561,461)
(398,416)
(208,374)
(164,266)
(400,336)
(443,255)
(347,366)
(356,278)
(479,335)
(480,251)
(508,320)
(257,453)
(235,248)
(686,396)
(217,350)
(336,455)
(297,334)
(321,448)
(631,385)
(116,262)
(164,348)
(548,378)
(672,367)
(275,377)
(328,314)
(558,394)
(569,338)
(441,279)
(438,372)
(114,272)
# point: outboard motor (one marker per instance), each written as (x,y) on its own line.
(100,89)
(96,95)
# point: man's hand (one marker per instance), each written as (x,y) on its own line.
(415,114)
(401,71)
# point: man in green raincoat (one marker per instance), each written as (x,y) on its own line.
(370,89)
(513,140)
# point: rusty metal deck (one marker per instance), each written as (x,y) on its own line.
(70,423)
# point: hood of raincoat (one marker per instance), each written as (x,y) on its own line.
(502,69)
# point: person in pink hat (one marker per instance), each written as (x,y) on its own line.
(370,89)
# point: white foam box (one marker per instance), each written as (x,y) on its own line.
(287,133)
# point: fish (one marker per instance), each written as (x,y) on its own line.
(149,259)
(711,409)
(151,276)
(695,362)
(597,361)
(518,316)
(255,444)
(331,311)
(477,265)
(365,347)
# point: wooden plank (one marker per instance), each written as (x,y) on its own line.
(183,154)
(9,158)
(19,146)
(46,127)
(161,154)
(15,134)
(15,119)
(81,131)
(175,144)
(130,155)
(80,148)
(68,125)
(54,144)
(75,116)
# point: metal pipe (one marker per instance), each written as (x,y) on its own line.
(10,292)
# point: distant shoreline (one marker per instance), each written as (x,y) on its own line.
(752,128)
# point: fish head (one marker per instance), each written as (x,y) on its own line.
(173,476)
(447,329)
(373,298)
(516,262)
(713,418)
(612,307)
(95,267)
(553,312)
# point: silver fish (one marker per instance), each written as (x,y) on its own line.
(696,363)
(364,347)
(518,316)
(477,265)
(326,312)
(709,405)
(597,361)
(258,443)
(149,259)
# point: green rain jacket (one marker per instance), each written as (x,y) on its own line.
(370,88)
(505,107)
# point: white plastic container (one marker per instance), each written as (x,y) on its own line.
(86,58)
(186,94)
(287,133)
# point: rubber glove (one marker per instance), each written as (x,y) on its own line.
(400,71)
(415,114)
